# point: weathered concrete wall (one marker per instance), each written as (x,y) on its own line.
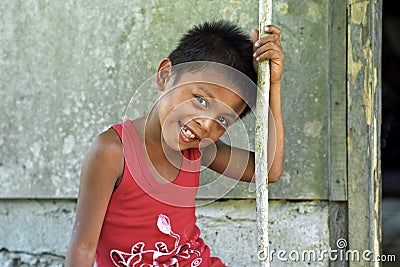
(36,233)
(68,69)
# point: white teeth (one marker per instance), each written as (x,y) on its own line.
(187,132)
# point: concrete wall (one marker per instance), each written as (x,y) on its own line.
(68,69)
(36,232)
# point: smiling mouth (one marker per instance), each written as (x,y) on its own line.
(187,132)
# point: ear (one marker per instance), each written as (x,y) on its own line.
(163,73)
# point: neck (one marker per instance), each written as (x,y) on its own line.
(152,133)
(158,153)
(148,128)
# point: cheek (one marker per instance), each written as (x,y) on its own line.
(166,108)
(181,111)
(217,132)
(170,116)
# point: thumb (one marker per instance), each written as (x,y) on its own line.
(254,37)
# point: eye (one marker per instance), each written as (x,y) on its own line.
(223,121)
(202,101)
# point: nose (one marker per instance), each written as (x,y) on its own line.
(204,123)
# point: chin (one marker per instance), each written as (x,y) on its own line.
(172,144)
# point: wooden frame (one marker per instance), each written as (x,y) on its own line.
(364,25)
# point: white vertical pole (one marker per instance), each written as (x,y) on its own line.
(261,143)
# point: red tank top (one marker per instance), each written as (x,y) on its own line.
(149,224)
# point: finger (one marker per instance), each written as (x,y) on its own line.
(254,35)
(268,38)
(267,47)
(272,55)
(273,34)
(272,29)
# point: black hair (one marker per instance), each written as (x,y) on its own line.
(221,42)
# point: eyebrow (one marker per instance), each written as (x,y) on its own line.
(208,93)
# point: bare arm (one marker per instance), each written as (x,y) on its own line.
(101,168)
(238,163)
(276,135)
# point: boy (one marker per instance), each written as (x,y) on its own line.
(136,203)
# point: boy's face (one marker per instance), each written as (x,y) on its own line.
(195,113)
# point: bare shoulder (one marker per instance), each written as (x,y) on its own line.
(105,154)
(108,140)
